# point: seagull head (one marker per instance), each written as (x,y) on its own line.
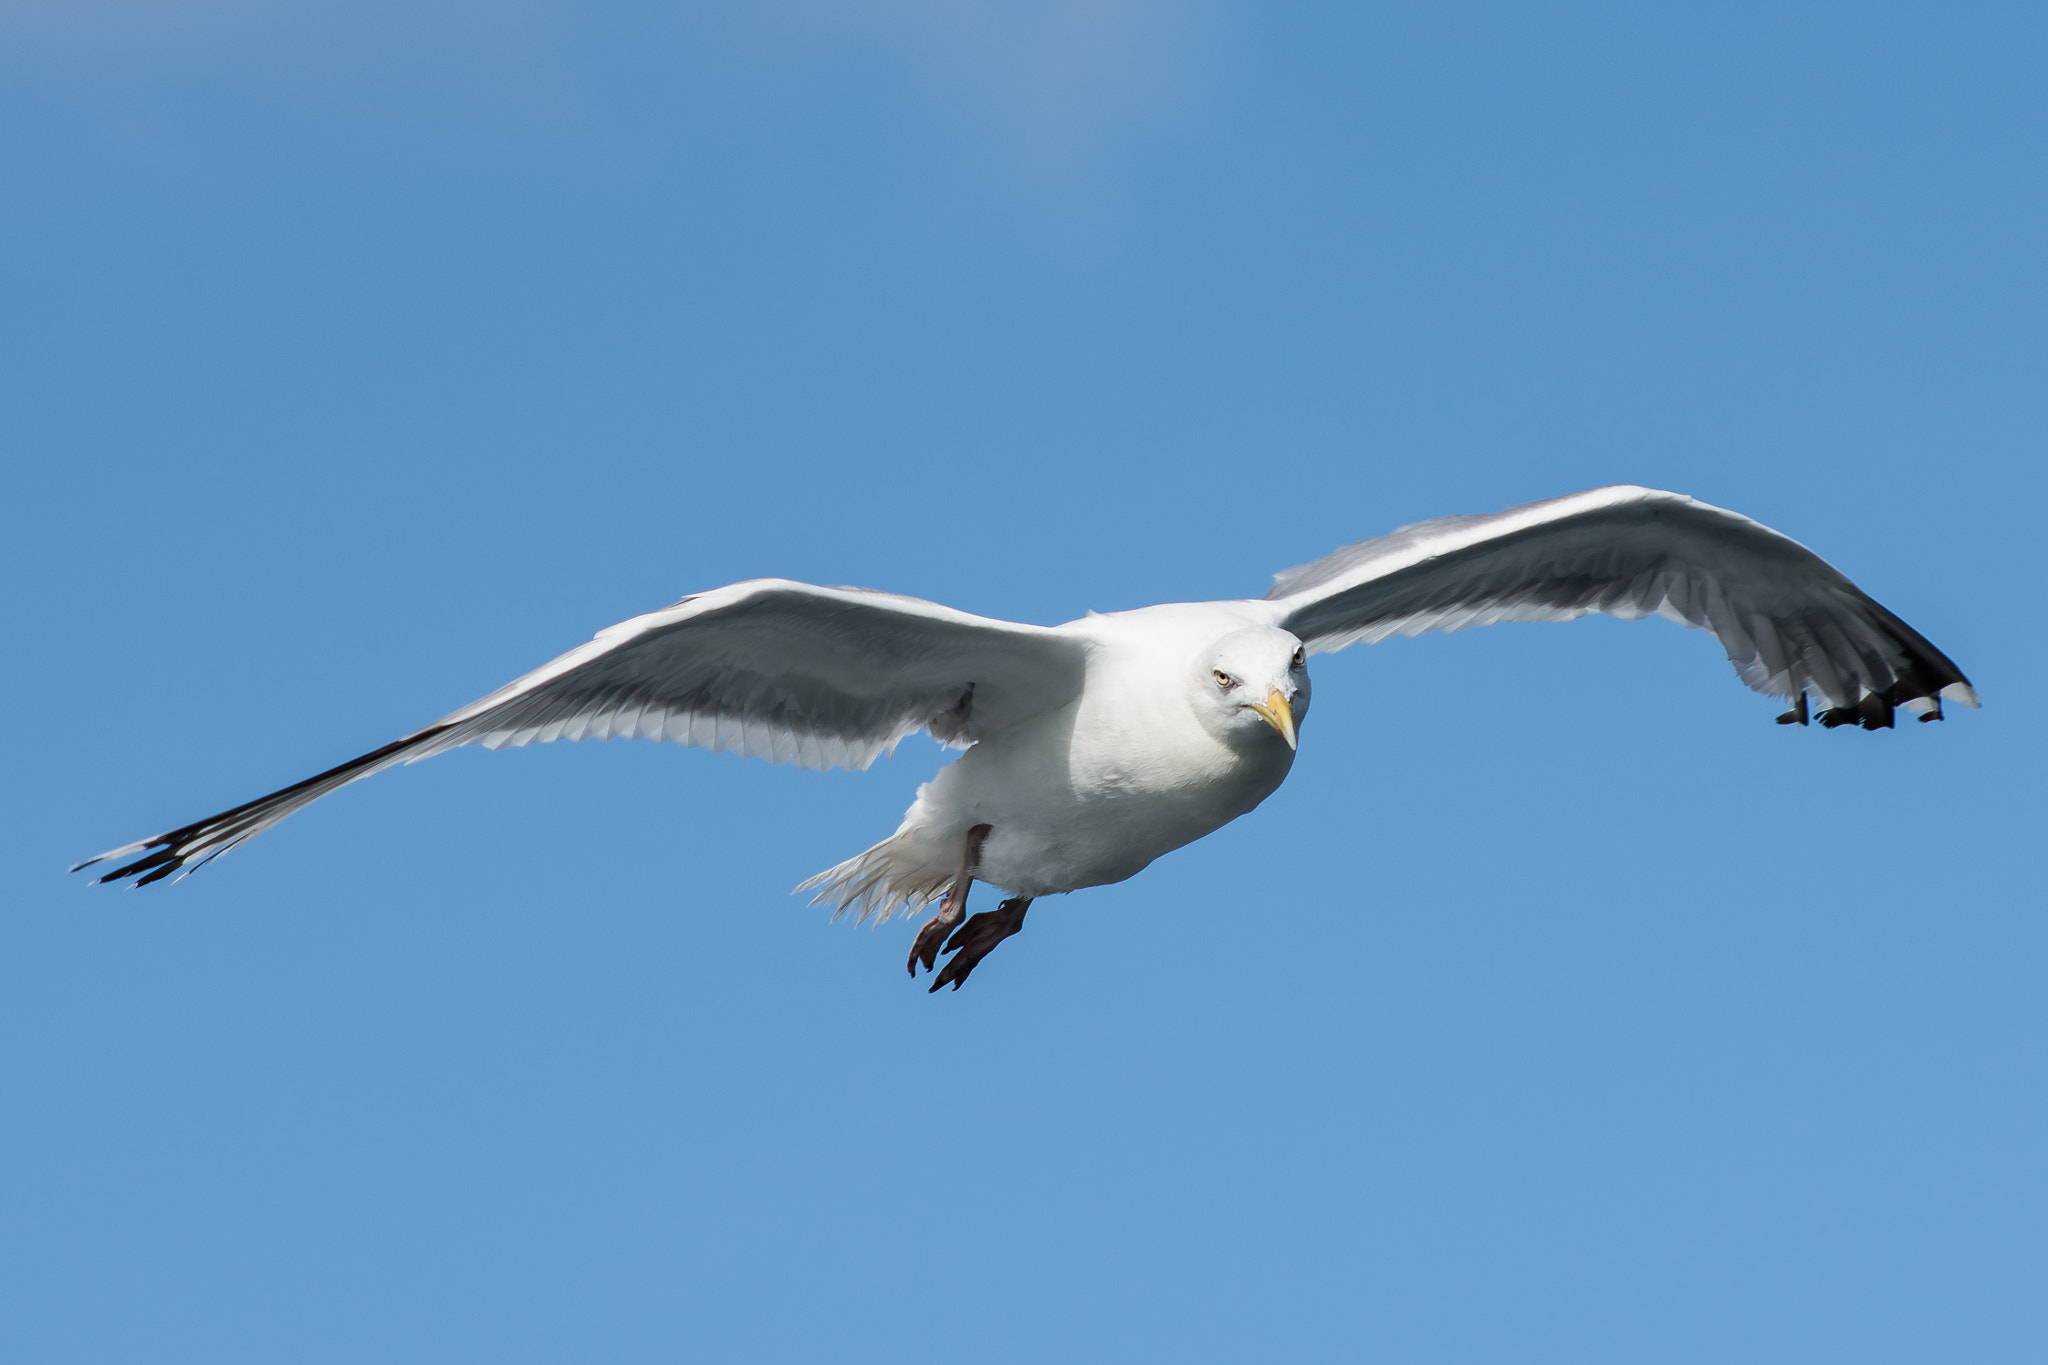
(1254,686)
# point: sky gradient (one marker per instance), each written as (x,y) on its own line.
(1560,1007)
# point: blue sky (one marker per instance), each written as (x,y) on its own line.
(1560,1008)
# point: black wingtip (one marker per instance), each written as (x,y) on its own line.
(161,861)
(192,846)
(1877,710)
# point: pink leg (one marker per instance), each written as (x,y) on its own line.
(953,908)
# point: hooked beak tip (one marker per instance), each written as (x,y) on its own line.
(1277,712)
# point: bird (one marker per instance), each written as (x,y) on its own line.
(1095,747)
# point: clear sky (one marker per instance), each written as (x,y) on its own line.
(1561,1007)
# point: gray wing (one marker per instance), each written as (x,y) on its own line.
(821,677)
(1792,625)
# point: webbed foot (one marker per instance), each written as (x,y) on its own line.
(977,938)
(925,951)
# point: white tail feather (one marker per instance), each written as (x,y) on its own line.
(895,875)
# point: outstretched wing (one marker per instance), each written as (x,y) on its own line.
(1791,624)
(821,677)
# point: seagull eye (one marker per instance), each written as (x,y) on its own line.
(1224,679)
(1300,659)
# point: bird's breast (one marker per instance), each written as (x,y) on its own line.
(1093,794)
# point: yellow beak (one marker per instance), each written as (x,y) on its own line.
(1277,713)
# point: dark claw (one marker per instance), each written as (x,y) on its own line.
(1798,714)
(977,938)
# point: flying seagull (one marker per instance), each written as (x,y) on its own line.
(1096,746)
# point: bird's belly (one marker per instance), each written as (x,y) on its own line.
(1089,844)
(1061,829)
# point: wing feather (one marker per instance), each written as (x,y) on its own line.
(820,677)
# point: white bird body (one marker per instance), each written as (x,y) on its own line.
(1092,791)
(1096,746)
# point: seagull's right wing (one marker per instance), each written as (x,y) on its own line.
(821,677)
(1790,622)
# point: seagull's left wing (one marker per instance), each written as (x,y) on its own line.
(1790,622)
(821,677)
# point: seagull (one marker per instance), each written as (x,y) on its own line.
(1094,747)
